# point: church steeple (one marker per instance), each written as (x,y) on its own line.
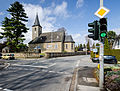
(36,28)
(36,23)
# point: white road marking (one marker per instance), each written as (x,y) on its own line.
(55,72)
(5,89)
(91,80)
(78,62)
(30,66)
(7,65)
(51,65)
(85,88)
(86,79)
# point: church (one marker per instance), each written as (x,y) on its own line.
(56,41)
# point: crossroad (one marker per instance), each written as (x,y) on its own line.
(39,74)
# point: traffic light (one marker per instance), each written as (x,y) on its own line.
(103,29)
(94,30)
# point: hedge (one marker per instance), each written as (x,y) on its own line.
(113,52)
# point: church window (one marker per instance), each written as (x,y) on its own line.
(56,46)
(35,30)
(47,46)
(71,46)
(66,46)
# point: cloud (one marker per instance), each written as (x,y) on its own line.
(61,10)
(1,29)
(47,16)
(1,13)
(79,39)
(28,37)
(117,30)
(79,3)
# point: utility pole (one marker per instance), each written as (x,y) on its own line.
(101,3)
(101,72)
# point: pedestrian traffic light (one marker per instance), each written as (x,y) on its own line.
(94,30)
(103,29)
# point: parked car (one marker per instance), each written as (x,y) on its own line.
(8,56)
(41,56)
(0,55)
(107,59)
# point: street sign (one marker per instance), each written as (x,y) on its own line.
(101,12)
(94,50)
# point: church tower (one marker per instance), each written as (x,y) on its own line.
(36,28)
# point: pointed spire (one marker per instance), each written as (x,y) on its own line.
(36,23)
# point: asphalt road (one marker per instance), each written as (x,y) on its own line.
(41,74)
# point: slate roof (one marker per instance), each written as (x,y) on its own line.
(58,36)
(68,38)
(49,37)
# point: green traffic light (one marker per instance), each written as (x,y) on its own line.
(103,34)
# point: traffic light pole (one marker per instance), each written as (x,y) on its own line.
(101,72)
(101,58)
(101,3)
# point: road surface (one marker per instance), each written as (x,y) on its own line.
(41,74)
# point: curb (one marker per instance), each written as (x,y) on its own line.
(73,85)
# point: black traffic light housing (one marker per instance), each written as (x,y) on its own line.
(94,30)
(103,29)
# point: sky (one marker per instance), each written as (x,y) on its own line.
(73,15)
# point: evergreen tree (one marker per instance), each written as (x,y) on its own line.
(97,44)
(98,48)
(76,48)
(106,44)
(88,46)
(14,26)
(93,46)
(84,45)
(80,45)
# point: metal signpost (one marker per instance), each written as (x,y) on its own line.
(101,12)
(101,72)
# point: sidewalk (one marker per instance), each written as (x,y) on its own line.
(85,79)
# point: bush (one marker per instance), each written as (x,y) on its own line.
(112,78)
(112,81)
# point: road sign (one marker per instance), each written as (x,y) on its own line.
(101,12)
